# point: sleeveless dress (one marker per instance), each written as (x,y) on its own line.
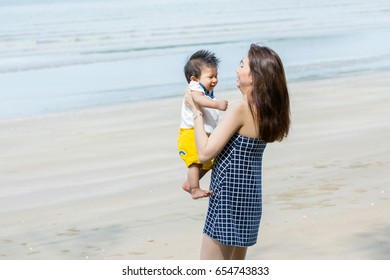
(235,207)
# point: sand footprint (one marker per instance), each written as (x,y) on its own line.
(355,165)
(136,253)
(69,232)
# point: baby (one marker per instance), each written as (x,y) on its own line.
(201,71)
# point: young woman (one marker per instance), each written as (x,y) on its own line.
(237,144)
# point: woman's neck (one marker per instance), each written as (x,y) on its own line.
(245,93)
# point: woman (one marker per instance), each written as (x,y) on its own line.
(237,144)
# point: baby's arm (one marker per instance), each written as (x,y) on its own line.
(203,101)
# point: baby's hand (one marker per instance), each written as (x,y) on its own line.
(222,105)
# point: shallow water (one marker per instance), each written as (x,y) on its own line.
(67,55)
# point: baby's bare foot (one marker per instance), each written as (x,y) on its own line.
(195,193)
(186,187)
(199,193)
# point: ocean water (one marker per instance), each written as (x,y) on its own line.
(66,55)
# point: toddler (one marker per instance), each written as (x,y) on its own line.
(201,72)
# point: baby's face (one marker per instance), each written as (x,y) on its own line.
(209,78)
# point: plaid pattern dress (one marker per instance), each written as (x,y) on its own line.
(234,212)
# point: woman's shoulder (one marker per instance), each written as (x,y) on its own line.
(238,106)
(237,113)
(242,113)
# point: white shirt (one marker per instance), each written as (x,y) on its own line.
(210,116)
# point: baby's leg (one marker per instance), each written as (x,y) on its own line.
(195,172)
(186,185)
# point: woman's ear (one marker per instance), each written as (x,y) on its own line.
(193,78)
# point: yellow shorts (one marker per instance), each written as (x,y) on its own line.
(187,148)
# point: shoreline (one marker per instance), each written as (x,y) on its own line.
(71,110)
(104,183)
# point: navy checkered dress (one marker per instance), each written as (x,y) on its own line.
(233,216)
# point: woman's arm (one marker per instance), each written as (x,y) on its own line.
(209,147)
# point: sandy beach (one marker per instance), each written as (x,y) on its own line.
(105,183)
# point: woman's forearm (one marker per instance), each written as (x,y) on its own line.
(200,135)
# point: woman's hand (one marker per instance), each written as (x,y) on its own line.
(190,101)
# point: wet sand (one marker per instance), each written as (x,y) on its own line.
(105,183)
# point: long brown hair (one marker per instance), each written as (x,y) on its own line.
(269,100)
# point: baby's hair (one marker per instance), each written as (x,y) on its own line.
(199,59)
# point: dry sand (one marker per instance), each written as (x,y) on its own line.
(105,183)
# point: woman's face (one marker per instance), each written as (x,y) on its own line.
(244,78)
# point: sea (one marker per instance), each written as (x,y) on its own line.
(69,55)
